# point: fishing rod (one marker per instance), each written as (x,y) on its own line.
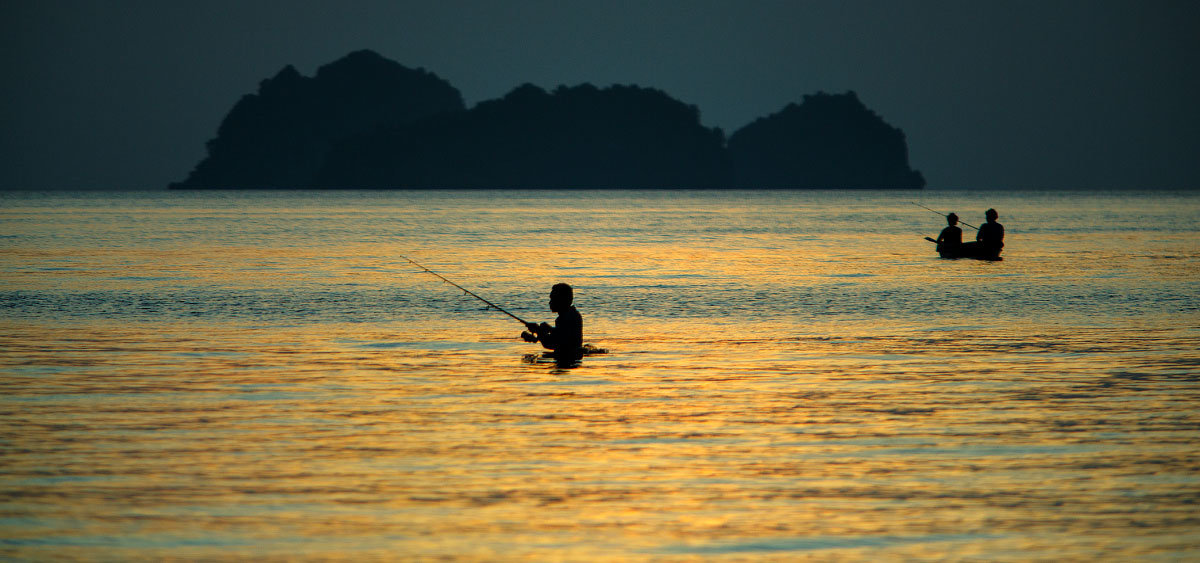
(965,224)
(465,290)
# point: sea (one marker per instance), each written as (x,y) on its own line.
(779,376)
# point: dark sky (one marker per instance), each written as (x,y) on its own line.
(996,94)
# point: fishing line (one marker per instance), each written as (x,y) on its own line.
(963,223)
(465,290)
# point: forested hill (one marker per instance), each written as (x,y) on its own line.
(367,122)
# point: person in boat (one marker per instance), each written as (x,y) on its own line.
(989,240)
(951,237)
(991,234)
(565,338)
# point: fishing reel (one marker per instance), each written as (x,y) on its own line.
(535,331)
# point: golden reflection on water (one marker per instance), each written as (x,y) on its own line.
(765,396)
(324,441)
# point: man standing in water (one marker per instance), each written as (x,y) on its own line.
(565,338)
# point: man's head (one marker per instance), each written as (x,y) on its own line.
(952,219)
(561,297)
(991,215)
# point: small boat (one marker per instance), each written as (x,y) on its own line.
(968,250)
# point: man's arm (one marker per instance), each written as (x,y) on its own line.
(543,333)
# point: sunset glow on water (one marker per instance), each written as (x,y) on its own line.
(789,375)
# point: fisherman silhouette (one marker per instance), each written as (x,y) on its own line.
(951,237)
(565,338)
(991,234)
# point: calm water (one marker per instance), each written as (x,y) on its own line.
(226,375)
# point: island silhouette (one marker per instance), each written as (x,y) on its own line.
(365,121)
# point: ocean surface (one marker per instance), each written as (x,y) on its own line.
(223,375)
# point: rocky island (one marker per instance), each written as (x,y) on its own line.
(828,140)
(367,122)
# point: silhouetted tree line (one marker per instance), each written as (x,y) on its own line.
(367,122)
